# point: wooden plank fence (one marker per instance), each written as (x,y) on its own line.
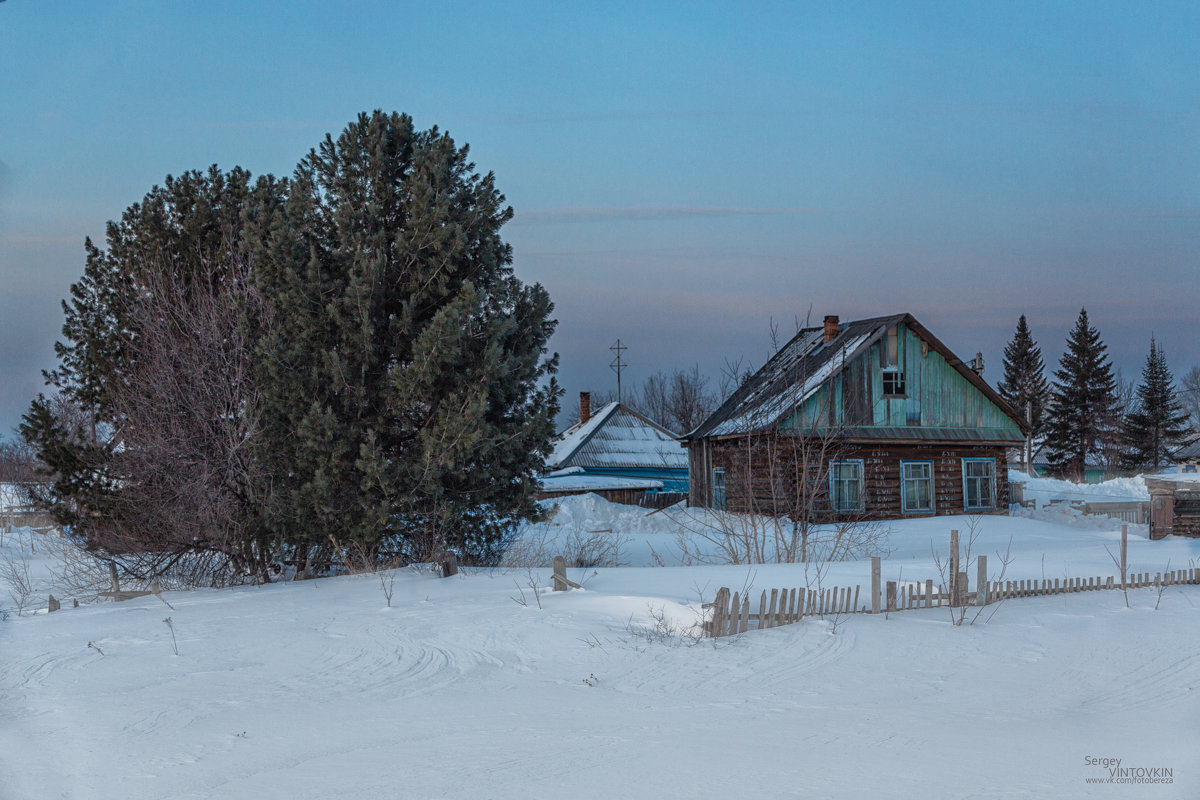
(1132,512)
(731,613)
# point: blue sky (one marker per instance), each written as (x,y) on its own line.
(682,173)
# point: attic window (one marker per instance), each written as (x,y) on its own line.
(893,383)
(892,357)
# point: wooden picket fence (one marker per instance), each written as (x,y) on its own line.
(731,613)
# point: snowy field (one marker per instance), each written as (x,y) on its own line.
(484,686)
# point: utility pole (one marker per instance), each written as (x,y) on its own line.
(617,364)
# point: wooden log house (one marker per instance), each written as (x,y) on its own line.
(874,418)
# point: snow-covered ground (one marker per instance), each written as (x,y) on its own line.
(488,685)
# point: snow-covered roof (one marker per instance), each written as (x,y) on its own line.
(12,496)
(595,483)
(616,437)
(1189,452)
(1175,477)
(1093,460)
(755,415)
(805,364)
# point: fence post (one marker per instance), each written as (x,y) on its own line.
(891,595)
(1124,552)
(717,627)
(981,592)
(953,568)
(560,574)
(875,576)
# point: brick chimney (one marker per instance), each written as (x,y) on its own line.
(831,328)
(977,364)
(585,406)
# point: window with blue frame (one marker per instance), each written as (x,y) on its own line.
(916,487)
(979,484)
(845,485)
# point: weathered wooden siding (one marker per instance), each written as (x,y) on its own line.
(1175,508)
(1187,513)
(760,470)
(699,473)
(936,394)
(629,497)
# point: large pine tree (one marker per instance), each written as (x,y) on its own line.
(1024,384)
(404,371)
(1159,424)
(274,369)
(1083,401)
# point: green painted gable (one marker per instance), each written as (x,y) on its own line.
(936,396)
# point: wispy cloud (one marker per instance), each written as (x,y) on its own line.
(544,216)
(21,238)
(616,115)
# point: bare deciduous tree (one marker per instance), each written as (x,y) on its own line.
(679,401)
(18,462)
(187,413)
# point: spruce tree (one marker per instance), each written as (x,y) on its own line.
(1159,424)
(1024,384)
(408,399)
(1082,402)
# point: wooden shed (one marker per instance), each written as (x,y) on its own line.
(874,418)
(1174,505)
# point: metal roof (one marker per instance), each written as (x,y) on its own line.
(806,363)
(617,437)
(919,433)
(1188,452)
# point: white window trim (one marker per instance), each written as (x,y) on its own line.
(904,509)
(713,490)
(966,496)
(861,480)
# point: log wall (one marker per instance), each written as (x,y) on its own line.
(629,497)
(762,474)
(1187,513)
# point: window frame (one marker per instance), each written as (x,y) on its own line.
(898,387)
(966,482)
(717,500)
(905,464)
(891,363)
(833,481)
